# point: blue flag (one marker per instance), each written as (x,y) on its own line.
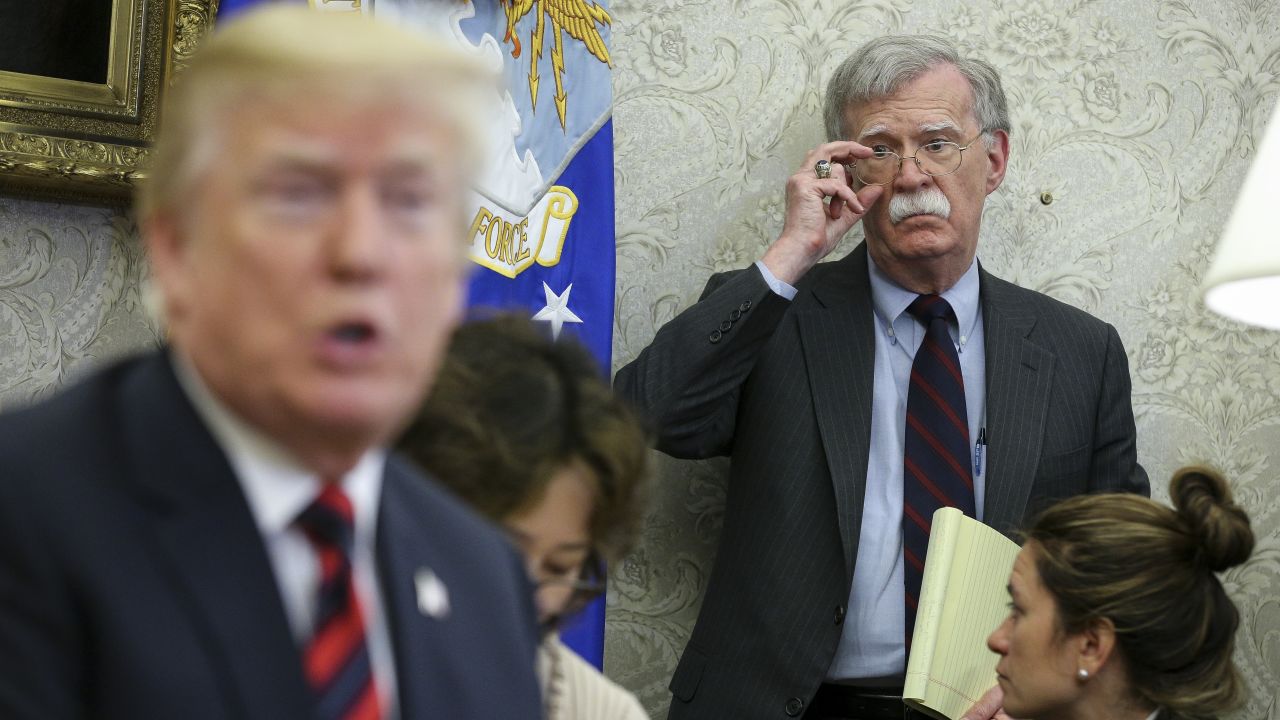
(542,230)
(231,8)
(540,222)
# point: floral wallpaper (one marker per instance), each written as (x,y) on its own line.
(69,295)
(1133,125)
(1134,122)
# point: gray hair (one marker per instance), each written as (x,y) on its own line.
(883,65)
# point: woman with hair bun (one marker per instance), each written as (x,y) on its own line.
(1117,612)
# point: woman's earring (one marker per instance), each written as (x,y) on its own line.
(1082,674)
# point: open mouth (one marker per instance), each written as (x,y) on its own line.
(351,345)
(353,332)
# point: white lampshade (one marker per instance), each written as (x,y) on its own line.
(1243,282)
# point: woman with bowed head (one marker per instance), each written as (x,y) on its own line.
(528,431)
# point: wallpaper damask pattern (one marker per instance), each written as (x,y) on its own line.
(1133,125)
(1134,119)
(69,295)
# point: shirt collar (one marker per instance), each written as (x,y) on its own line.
(890,299)
(276,486)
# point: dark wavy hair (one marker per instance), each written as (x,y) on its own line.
(510,407)
(1150,570)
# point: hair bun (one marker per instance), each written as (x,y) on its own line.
(1202,498)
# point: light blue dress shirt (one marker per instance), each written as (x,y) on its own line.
(871,648)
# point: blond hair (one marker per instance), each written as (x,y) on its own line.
(283,51)
(1150,570)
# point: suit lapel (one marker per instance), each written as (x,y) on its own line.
(837,337)
(210,547)
(405,551)
(1019,380)
(446,609)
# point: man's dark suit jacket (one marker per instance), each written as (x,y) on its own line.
(785,389)
(134,582)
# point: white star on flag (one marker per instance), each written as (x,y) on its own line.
(557,311)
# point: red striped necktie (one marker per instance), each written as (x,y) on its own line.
(336,660)
(936,463)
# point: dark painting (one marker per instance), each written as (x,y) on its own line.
(69,39)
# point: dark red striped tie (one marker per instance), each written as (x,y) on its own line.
(936,463)
(336,660)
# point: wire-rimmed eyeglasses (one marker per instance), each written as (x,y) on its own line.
(936,157)
(588,584)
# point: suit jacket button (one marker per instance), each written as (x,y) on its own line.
(735,314)
(725,326)
(794,707)
(715,336)
(745,306)
(839,614)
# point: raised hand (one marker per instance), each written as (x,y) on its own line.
(819,211)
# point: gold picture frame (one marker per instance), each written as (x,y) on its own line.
(77,141)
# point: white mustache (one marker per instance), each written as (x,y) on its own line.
(930,201)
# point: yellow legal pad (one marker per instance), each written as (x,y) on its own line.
(962,599)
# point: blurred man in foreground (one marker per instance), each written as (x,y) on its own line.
(216,530)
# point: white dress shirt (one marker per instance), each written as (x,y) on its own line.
(278,489)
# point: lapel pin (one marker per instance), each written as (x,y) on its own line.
(433,597)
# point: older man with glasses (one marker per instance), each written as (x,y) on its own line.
(858,396)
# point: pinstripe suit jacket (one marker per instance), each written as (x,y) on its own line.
(784,389)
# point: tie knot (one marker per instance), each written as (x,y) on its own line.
(329,519)
(927,308)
